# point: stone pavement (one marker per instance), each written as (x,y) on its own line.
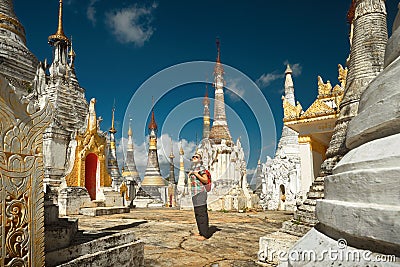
(168,241)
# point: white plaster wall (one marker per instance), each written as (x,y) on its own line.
(307,167)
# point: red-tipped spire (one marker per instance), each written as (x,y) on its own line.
(351,12)
(218,51)
(153,124)
(218,69)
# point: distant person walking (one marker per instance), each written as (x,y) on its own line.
(197,179)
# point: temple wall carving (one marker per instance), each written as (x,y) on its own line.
(21,177)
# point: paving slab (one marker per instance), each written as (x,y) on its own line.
(168,238)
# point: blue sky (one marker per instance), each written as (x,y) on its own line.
(121,44)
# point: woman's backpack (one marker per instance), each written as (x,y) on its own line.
(207,186)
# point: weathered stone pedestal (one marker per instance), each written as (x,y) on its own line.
(151,197)
(361,206)
(112,198)
(158,193)
(362,197)
(72,200)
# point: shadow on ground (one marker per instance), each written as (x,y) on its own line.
(212,230)
(125,226)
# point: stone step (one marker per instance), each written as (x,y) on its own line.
(315,195)
(317,187)
(99,211)
(310,202)
(295,228)
(118,249)
(307,218)
(307,209)
(318,182)
(124,255)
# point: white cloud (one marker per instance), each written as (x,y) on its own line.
(234,92)
(132,24)
(267,78)
(164,149)
(91,11)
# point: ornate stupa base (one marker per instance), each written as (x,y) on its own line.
(151,196)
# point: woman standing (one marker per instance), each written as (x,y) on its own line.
(198,178)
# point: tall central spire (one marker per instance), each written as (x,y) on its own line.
(59,35)
(220,129)
(152,176)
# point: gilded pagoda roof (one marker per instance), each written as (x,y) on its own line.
(324,107)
